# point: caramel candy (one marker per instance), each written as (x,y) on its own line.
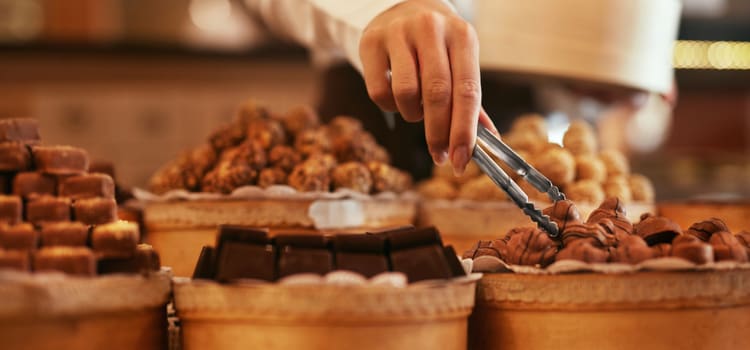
(271,176)
(558,165)
(64,234)
(704,229)
(25,130)
(300,118)
(692,249)
(95,211)
(562,213)
(61,160)
(386,178)
(283,157)
(88,186)
(587,191)
(437,188)
(580,138)
(592,233)
(656,229)
(144,260)
(70,260)
(583,250)
(631,250)
(481,188)
(30,183)
(530,246)
(14,156)
(615,162)
(11,209)
(727,247)
(102,167)
(47,208)
(589,167)
(15,260)
(614,210)
(115,240)
(19,237)
(352,175)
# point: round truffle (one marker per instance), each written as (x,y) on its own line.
(590,167)
(437,188)
(352,175)
(583,250)
(585,191)
(580,138)
(283,157)
(727,247)
(300,118)
(310,176)
(481,188)
(530,246)
(312,141)
(592,233)
(641,188)
(631,250)
(615,162)
(266,132)
(533,124)
(558,165)
(692,249)
(618,186)
(704,229)
(386,178)
(271,176)
(656,229)
(496,248)
(563,213)
(344,125)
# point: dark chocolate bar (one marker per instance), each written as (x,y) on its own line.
(452,258)
(15,260)
(244,252)
(64,233)
(14,156)
(88,186)
(115,240)
(19,237)
(47,208)
(239,233)
(70,260)
(25,130)
(11,210)
(60,160)
(419,254)
(206,266)
(303,254)
(364,254)
(30,183)
(95,211)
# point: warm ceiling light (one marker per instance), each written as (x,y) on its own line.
(691,54)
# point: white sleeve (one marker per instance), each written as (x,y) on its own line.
(321,24)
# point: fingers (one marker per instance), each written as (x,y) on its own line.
(463,50)
(404,76)
(375,67)
(435,76)
(484,120)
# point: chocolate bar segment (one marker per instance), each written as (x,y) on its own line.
(47,208)
(243,252)
(30,183)
(11,209)
(144,260)
(206,266)
(19,237)
(71,260)
(115,240)
(303,254)
(23,130)
(364,254)
(239,233)
(15,260)
(99,166)
(95,211)
(452,258)
(419,254)
(88,186)
(64,234)
(14,156)
(61,160)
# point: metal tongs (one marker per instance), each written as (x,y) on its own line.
(499,149)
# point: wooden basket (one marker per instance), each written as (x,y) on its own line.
(362,317)
(644,310)
(626,43)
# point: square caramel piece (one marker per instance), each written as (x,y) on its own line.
(144,260)
(115,240)
(88,186)
(25,130)
(71,260)
(95,211)
(11,209)
(15,260)
(64,234)
(19,237)
(30,183)
(60,160)
(14,156)
(41,209)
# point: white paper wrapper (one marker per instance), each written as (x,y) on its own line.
(272,192)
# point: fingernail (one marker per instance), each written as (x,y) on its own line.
(459,159)
(440,157)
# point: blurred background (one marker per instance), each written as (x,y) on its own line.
(137,81)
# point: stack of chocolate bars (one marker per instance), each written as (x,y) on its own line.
(55,216)
(249,253)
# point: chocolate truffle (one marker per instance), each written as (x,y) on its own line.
(590,167)
(95,211)
(358,147)
(614,210)
(583,250)
(530,246)
(727,247)
(19,237)
(64,233)
(169,177)
(563,213)
(744,238)
(352,175)
(344,125)
(47,208)
(309,177)
(618,186)
(88,186)
(194,164)
(692,249)
(531,123)
(497,248)
(237,167)
(24,130)
(227,136)
(11,209)
(656,229)
(704,229)
(592,233)
(15,260)
(30,183)
(558,165)
(70,260)
(386,178)
(300,118)
(312,141)
(248,111)
(631,250)
(14,156)
(266,132)
(580,138)
(615,162)
(481,188)
(662,250)
(271,176)
(437,188)
(324,160)
(641,188)
(283,157)
(61,160)
(526,141)
(585,191)
(115,240)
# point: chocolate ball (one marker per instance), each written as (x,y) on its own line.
(300,118)
(704,229)
(312,141)
(344,125)
(437,188)
(662,250)
(618,186)
(310,176)
(656,229)
(533,124)
(530,246)
(266,132)
(727,247)
(590,167)
(585,191)
(481,188)
(558,165)
(386,178)
(525,141)
(324,160)
(641,188)
(284,157)
(352,175)
(631,250)
(692,249)
(226,136)
(563,213)
(615,162)
(580,138)
(583,250)
(271,176)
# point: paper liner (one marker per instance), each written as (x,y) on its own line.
(272,192)
(325,302)
(49,295)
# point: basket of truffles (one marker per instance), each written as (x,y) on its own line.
(471,207)
(286,171)
(72,276)
(611,283)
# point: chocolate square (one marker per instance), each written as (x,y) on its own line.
(15,260)
(30,183)
(364,254)
(25,130)
(145,260)
(14,156)
(95,211)
(239,233)
(70,260)
(47,208)
(19,237)
(102,167)
(238,260)
(11,210)
(421,263)
(413,238)
(64,234)
(88,186)
(294,260)
(115,240)
(205,268)
(60,160)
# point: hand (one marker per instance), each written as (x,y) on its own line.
(433,57)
